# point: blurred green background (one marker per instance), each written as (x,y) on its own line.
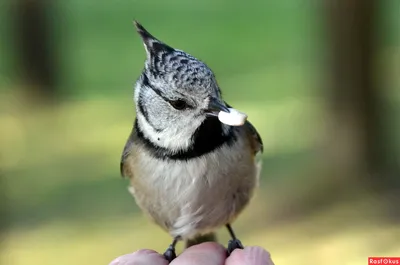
(321,200)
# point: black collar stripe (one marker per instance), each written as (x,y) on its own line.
(207,138)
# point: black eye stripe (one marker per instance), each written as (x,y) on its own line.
(180,104)
(146,83)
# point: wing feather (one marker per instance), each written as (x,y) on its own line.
(125,154)
(254,136)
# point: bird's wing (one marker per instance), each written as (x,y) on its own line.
(254,136)
(125,154)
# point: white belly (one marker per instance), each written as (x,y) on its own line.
(195,196)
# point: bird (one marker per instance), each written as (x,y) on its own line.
(188,172)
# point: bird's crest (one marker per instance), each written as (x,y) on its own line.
(151,44)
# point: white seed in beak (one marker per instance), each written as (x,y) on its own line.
(233,118)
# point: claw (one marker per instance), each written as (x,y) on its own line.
(170,254)
(234,244)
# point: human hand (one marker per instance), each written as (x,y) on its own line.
(206,253)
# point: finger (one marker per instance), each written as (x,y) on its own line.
(209,253)
(140,257)
(249,256)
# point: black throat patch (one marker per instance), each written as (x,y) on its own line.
(208,137)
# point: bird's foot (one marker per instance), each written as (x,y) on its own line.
(234,244)
(170,254)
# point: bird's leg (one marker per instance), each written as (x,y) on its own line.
(234,243)
(170,254)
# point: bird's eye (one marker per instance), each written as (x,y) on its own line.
(179,104)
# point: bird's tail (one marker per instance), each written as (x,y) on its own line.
(210,237)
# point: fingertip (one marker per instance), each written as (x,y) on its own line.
(114,262)
(250,255)
(145,252)
(207,247)
(142,256)
(236,257)
(205,253)
(257,255)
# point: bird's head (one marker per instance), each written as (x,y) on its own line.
(174,95)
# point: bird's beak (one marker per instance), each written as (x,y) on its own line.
(214,107)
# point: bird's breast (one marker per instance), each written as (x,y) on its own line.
(185,196)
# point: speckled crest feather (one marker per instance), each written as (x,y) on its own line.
(173,66)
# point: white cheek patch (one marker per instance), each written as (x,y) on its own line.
(233,118)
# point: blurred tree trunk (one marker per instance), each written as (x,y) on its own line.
(357,138)
(35,47)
